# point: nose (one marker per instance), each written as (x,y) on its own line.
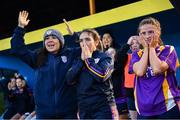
(146,35)
(107,40)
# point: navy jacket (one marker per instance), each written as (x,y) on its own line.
(19,100)
(51,94)
(92,78)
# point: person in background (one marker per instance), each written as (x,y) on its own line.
(123,58)
(156,92)
(21,98)
(117,74)
(108,40)
(18,98)
(4,91)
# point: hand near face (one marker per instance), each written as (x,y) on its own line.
(82,51)
(143,42)
(85,51)
(154,41)
(22,20)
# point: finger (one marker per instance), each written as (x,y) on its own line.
(28,21)
(140,40)
(82,45)
(65,22)
(86,47)
(20,14)
(26,14)
(23,13)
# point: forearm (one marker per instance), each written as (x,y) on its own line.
(16,116)
(157,65)
(99,71)
(17,38)
(73,72)
(140,67)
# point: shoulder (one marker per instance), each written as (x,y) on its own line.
(70,52)
(103,56)
(73,49)
(166,49)
(138,53)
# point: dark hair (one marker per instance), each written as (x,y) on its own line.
(112,36)
(41,57)
(20,77)
(154,22)
(95,36)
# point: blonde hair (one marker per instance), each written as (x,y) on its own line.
(152,21)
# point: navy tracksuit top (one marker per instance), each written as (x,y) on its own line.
(92,78)
(51,93)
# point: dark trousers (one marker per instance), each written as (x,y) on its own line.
(103,112)
(64,116)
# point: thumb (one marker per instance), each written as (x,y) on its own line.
(28,21)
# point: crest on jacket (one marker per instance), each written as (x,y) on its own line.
(64,59)
(96,60)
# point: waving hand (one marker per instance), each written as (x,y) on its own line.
(23,19)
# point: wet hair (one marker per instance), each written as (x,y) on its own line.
(151,21)
(95,36)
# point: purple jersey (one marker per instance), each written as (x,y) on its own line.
(156,94)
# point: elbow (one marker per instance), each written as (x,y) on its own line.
(70,82)
(156,71)
(140,73)
(160,69)
(100,80)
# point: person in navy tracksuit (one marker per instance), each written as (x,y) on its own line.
(91,74)
(53,97)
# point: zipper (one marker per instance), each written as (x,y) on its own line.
(55,87)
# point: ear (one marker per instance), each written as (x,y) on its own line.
(97,43)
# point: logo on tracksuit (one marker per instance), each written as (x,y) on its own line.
(96,60)
(64,59)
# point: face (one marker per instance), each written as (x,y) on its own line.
(106,40)
(135,44)
(87,39)
(52,44)
(13,82)
(19,83)
(149,32)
